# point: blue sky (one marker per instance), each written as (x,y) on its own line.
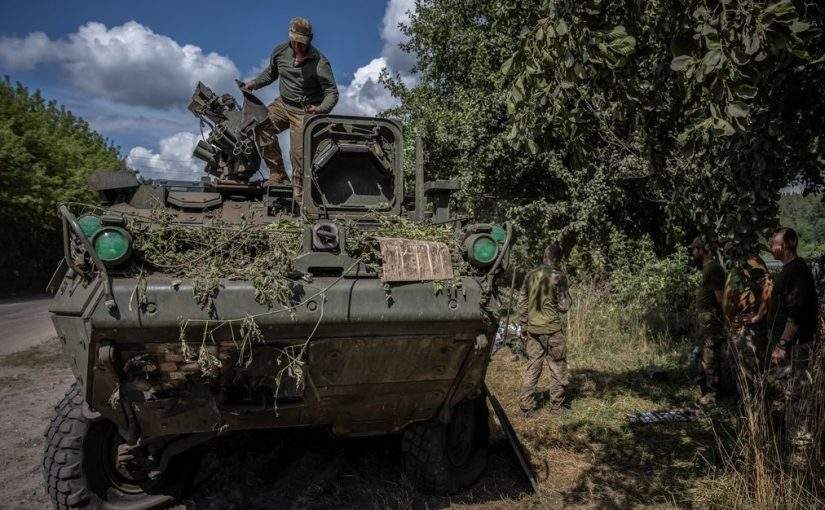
(129,67)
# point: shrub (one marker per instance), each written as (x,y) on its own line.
(654,291)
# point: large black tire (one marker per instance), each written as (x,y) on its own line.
(447,458)
(78,465)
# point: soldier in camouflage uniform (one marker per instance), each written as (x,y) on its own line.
(709,311)
(544,299)
(793,335)
(307,87)
(745,304)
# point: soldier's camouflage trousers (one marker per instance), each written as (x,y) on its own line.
(283,117)
(711,346)
(541,349)
(792,404)
(711,342)
(747,354)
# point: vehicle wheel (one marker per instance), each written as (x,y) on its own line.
(447,458)
(81,469)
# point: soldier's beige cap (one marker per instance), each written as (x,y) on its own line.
(300,30)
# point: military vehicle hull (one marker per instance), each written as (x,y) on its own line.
(373,366)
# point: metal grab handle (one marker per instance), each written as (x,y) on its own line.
(505,247)
(70,221)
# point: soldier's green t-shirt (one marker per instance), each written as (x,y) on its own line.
(544,298)
(713,280)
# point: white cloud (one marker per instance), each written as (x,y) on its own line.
(25,53)
(398,12)
(129,63)
(365,95)
(172,161)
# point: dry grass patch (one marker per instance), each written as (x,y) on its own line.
(590,456)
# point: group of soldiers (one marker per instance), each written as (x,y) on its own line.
(756,329)
(760,331)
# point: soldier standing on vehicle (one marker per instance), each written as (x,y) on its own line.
(793,335)
(746,302)
(306,86)
(544,299)
(709,312)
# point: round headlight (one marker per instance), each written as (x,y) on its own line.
(481,249)
(89,224)
(112,245)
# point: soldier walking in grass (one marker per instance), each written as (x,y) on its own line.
(793,334)
(709,314)
(307,87)
(544,300)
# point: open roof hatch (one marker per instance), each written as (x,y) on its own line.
(352,166)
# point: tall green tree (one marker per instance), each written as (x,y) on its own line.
(596,122)
(46,156)
(710,107)
(458,105)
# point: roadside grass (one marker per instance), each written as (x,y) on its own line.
(592,457)
(762,468)
(606,462)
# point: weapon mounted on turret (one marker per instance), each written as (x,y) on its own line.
(229,151)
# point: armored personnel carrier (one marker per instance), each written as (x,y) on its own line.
(358,347)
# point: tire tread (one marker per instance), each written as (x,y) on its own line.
(62,458)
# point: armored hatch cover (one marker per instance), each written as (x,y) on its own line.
(197,200)
(352,166)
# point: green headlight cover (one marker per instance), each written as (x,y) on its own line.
(485,249)
(111,245)
(89,224)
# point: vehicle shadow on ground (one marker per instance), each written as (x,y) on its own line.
(309,469)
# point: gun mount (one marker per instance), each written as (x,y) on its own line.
(230,152)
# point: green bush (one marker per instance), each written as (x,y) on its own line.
(660,291)
(643,286)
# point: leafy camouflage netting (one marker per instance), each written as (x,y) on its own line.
(261,254)
(206,253)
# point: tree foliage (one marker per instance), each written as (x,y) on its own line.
(591,121)
(46,155)
(806,214)
(458,104)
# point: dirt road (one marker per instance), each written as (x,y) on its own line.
(24,323)
(295,469)
(32,377)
